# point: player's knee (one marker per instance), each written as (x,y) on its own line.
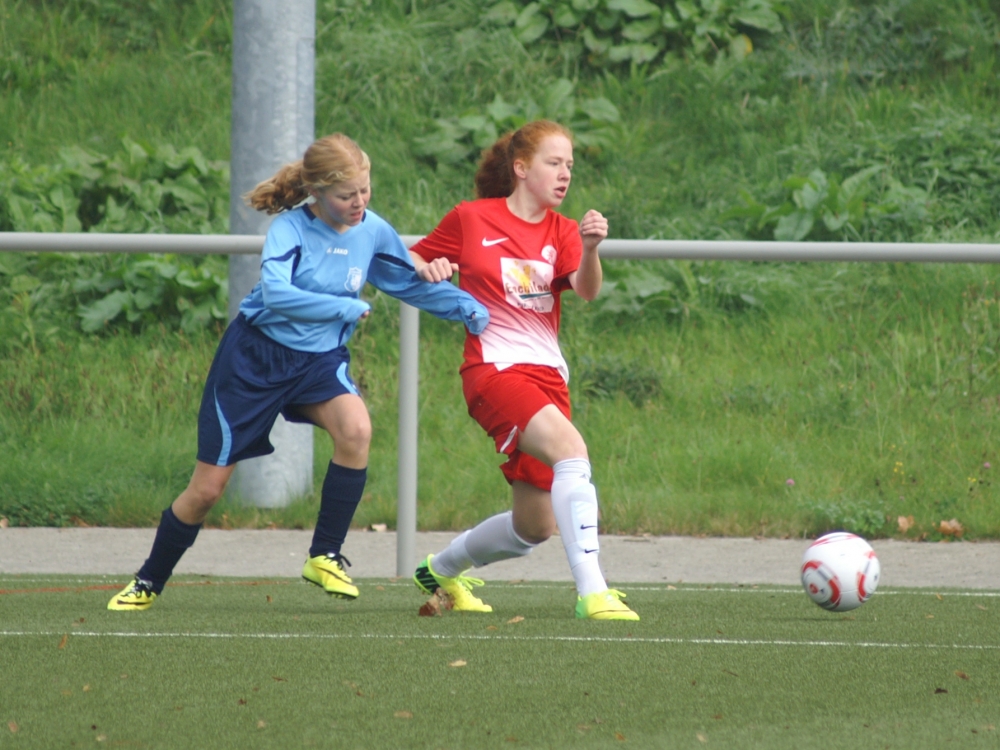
(536,530)
(207,495)
(355,437)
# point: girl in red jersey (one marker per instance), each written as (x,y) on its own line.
(516,256)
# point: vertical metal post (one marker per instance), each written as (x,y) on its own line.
(272,124)
(406,488)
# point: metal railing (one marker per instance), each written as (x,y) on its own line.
(409,319)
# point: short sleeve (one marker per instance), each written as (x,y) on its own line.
(445,241)
(569,252)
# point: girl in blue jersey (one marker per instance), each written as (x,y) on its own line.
(286,353)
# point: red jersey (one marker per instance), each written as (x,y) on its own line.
(517,270)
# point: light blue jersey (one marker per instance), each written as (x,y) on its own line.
(311,276)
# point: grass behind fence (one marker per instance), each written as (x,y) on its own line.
(876,398)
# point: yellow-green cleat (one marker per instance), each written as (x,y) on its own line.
(604,605)
(327,572)
(458,588)
(135,597)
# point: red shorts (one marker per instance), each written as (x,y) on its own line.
(504,401)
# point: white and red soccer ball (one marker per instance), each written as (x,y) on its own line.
(840,571)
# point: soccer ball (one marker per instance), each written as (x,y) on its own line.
(840,571)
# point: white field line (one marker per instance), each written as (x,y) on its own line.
(509,638)
(664,587)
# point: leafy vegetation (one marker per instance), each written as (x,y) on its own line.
(140,189)
(639,32)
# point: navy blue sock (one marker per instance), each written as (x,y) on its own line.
(342,490)
(173,537)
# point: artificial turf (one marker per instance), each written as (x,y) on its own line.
(223,663)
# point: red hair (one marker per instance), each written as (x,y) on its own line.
(495,177)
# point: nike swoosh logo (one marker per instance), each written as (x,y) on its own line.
(587,527)
(490,243)
(588,551)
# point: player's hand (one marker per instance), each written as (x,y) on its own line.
(593,229)
(439,269)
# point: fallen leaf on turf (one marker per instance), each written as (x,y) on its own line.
(444,599)
(62,643)
(430,608)
(86,688)
(904,523)
(938,691)
(939,597)
(66,692)
(241,702)
(511,739)
(513,620)
(701,737)
(457,663)
(380,588)
(268,597)
(12,725)
(261,724)
(961,675)
(619,736)
(403,715)
(951,528)
(716,716)
(980,606)
(671,588)
(278,679)
(101,737)
(930,617)
(491,627)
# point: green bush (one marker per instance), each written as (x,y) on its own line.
(821,207)
(638,32)
(461,139)
(142,189)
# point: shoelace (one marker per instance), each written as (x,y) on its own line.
(340,560)
(142,587)
(467,582)
(619,595)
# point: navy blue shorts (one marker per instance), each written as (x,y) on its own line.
(253,378)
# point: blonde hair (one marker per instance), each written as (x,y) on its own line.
(328,161)
(495,177)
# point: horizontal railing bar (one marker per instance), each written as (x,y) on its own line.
(745,250)
(96,242)
(748,250)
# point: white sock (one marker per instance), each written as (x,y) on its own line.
(574,502)
(492,540)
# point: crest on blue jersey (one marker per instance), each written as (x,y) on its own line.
(353,282)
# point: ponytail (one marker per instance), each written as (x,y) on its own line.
(495,177)
(280,192)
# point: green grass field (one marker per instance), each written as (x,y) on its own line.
(274,663)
